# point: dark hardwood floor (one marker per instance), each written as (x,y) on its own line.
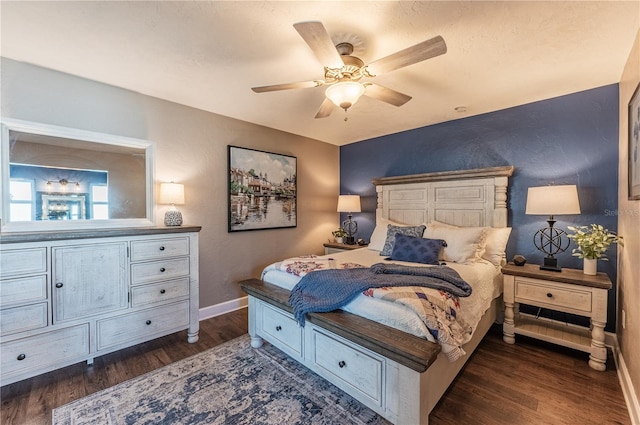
(527,383)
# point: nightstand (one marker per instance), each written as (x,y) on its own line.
(333,247)
(569,291)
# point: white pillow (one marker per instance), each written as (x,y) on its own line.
(495,243)
(464,244)
(379,235)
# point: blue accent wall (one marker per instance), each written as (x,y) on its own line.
(571,139)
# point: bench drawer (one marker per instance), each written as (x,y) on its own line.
(159,248)
(281,329)
(352,367)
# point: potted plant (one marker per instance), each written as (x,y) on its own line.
(593,241)
(339,234)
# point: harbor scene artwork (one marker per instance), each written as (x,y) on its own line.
(262,190)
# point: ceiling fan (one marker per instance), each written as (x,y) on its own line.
(343,72)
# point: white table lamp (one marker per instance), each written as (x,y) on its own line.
(173,194)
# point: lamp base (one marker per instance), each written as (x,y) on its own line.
(349,240)
(550,264)
(173,217)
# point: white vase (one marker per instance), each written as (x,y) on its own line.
(338,240)
(590,266)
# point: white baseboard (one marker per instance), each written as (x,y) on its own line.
(222,308)
(633,406)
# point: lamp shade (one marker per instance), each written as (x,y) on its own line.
(171,193)
(553,200)
(345,94)
(349,203)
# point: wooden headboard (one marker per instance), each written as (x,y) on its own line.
(462,198)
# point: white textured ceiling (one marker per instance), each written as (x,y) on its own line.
(208,54)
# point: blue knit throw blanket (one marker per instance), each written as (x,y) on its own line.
(328,290)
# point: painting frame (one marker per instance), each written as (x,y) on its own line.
(262,190)
(634,145)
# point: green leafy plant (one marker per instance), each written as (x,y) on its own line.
(340,233)
(592,241)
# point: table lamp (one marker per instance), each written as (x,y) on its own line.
(552,200)
(349,204)
(172,193)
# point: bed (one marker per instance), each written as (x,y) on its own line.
(373,349)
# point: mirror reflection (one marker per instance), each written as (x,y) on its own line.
(55,177)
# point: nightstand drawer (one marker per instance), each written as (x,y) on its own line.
(554,294)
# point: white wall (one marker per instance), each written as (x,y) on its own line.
(191,149)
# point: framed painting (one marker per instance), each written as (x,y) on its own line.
(634,145)
(263,190)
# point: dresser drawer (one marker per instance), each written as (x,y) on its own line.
(42,351)
(159,270)
(142,325)
(23,261)
(281,329)
(160,292)
(560,296)
(350,366)
(23,318)
(23,290)
(159,248)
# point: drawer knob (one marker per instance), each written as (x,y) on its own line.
(278,328)
(162,291)
(22,356)
(59,285)
(342,364)
(162,269)
(549,295)
(148,322)
(161,248)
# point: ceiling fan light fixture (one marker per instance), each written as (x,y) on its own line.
(345,94)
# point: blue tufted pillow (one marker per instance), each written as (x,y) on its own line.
(392,231)
(417,250)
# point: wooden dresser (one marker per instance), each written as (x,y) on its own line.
(70,296)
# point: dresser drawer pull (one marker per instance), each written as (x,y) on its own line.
(162,291)
(342,364)
(148,322)
(278,328)
(161,248)
(59,285)
(22,356)
(549,295)
(162,269)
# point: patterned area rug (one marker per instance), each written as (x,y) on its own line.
(228,384)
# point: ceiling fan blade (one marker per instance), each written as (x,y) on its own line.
(414,54)
(325,109)
(320,43)
(386,95)
(288,86)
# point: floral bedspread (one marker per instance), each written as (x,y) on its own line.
(439,310)
(300,266)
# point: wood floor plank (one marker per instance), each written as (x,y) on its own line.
(530,382)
